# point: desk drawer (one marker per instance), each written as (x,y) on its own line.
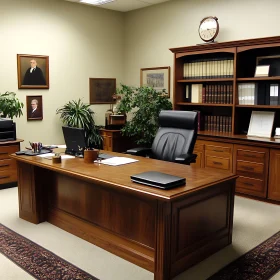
(8,176)
(250,169)
(218,162)
(251,186)
(7,164)
(6,150)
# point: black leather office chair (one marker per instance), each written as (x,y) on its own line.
(175,138)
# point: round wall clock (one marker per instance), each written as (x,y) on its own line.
(208,29)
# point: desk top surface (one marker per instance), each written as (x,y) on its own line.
(119,176)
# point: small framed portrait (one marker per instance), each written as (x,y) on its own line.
(157,77)
(34,105)
(33,71)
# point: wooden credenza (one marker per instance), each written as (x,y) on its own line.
(8,168)
(255,160)
(114,141)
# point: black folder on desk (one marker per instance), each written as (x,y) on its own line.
(158,180)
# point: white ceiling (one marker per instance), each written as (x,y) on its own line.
(126,5)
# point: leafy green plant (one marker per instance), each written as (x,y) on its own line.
(145,104)
(10,106)
(77,114)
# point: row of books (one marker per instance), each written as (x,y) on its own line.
(214,123)
(214,93)
(258,94)
(208,69)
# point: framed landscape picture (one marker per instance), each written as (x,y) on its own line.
(34,106)
(33,71)
(157,77)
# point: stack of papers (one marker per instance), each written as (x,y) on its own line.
(117,161)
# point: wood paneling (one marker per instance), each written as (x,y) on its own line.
(274,175)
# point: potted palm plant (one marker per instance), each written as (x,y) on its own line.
(77,114)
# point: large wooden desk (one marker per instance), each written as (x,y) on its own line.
(162,231)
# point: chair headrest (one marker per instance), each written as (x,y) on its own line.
(178,119)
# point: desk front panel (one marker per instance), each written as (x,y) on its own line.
(126,215)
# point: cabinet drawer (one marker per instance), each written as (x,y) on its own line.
(7,164)
(251,186)
(218,162)
(8,176)
(6,150)
(210,149)
(250,169)
(249,155)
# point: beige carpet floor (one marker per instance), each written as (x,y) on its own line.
(254,222)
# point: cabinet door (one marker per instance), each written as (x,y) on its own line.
(274,175)
(251,164)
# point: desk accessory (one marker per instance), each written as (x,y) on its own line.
(208,29)
(90,155)
(56,158)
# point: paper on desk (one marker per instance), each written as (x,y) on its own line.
(50,155)
(118,161)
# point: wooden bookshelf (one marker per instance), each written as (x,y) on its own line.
(263,155)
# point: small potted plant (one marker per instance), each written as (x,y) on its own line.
(10,106)
(77,114)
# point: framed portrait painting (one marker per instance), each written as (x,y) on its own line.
(101,90)
(157,77)
(34,105)
(33,71)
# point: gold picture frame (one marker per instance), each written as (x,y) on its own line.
(156,77)
(33,71)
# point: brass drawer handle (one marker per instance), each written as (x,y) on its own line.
(248,168)
(217,162)
(249,184)
(219,151)
(4,165)
(3,177)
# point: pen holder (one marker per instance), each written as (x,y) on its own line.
(56,158)
(90,156)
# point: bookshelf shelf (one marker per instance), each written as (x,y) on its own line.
(259,106)
(207,80)
(204,104)
(276,78)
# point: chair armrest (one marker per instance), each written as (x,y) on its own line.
(140,151)
(186,158)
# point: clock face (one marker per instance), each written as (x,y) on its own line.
(208,29)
